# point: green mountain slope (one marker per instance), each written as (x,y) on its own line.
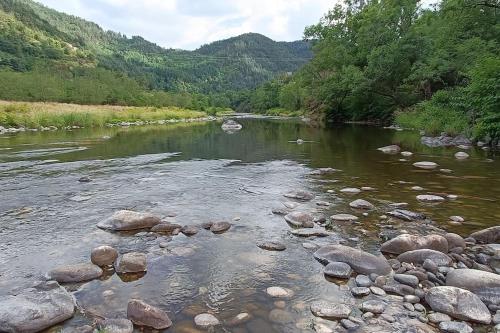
(34,37)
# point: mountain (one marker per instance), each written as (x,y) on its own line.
(36,38)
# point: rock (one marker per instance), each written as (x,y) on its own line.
(79,329)
(458,303)
(377,291)
(35,309)
(330,310)
(239,319)
(230,126)
(310,232)
(407,279)
(392,149)
(344,218)
(455,327)
(363,281)
(430,266)
(85,179)
(485,285)
(350,190)
(103,255)
(406,153)
(486,236)
(300,195)
(417,188)
(166,228)
(437,317)
(300,219)
(373,306)
(361,204)
(429,198)
(425,165)
(419,256)
(404,243)
(143,314)
(406,215)
(189,230)
(444,141)
(206,320)
(461,155)
(338,270)
(279,292)
(75,273)
(323,171)
(454,241)
(412,299)
(126,220)
(275,211)
(220,227)
(116,326)
(360,261)
(272,246)
(132,262)
(360,291)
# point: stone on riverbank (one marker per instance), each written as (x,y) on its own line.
(103,255)
(36,309)
(360,261)
(419,256)
(75,273)
(339,270)
(483,284)
(404,243)
(487,236)
(300,219)
(344,218)
(126,220)
(143,314)
(133,262)
(458,303)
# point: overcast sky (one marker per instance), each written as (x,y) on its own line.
(188,24)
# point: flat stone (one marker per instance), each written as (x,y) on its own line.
(361,204)
(220,227)
(206,320)
(189,230)
(133,262)
(363,281)
(75,273)
(360,291)
(279,292)
(407,279)
(116,326)
(404,243)
(392,149)
(406,215)
(330,310)
(126,220)
(300,195)
(417,188)
(406,153)
(35,309)
(425,165)
(377,291)
(461,155)
(437,317)
(239,319)
(458,303)
(143,314)
(485,285)
(419,256)
(454,241)
(350,190)
(323,171)
(310,232)
(272,246)
(300,219)
(373,306)
(166,228)
(103,255)
(360,261)
(455,327)
(429,198)
(344,218)
(338,270)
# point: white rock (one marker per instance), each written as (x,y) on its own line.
(206,320)
(425,165)
(344,217)
(461,155)
(279,292)
(457,218)
(429,198)
(361,204)
(350,190)
(406,153)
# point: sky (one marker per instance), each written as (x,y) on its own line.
(188,24)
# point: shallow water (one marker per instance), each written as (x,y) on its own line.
(48,218)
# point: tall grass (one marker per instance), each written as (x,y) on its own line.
(37,115)
(434,120)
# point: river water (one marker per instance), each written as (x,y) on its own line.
(200,173)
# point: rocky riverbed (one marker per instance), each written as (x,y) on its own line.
(165,242)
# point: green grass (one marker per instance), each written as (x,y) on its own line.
(281,112)
(37,115)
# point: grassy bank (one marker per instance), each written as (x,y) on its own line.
(282,112)
(37,115)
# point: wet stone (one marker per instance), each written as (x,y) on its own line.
(361,204)
(272,246)
(189,230)
(338,270)
(116,326)
(300,195)
(350,190)
(429,198)
(239,319)
(133,262)
(75,273)
(279,292)
(425,165)
(300,219)
(329,310)
(103,255)
(143,314)
(363,281)
(126,220)
(310,232)
(280,316)
(206,320)
(455,327)
(344,218)
(220,227)
(360,291)
(373,306)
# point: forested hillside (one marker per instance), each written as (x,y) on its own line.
(47,55)
(434,68)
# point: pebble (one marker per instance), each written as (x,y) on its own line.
(377,291)
(363,281)
(373,306)
(360,291)
(279,292)
(206,320)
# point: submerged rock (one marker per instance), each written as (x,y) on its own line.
(75,273)
(220,227)
(330,310)
(272,246)
(143,314)
(279,292)
(392,149)
(300,195)
(406,215)
(458,303)
(116,326)
(344,218)
(350,190)
(323,171)
(166,228)
(425,165)
(429,198)
(189,230)
(339,270)
(103,255)
(300,219)
(36,309)
(231,126)
(361,204)
(486,236)
(404,243)
(483,284)
(310,232)
(126,220)
(360,261)
(133,262)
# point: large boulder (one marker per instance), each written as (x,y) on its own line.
(486,236)
(143,314)
(458,303)
(103,255)
(361,262)
(133,262)
(419,256)
(35,309)
(484,284)
(75,273)
(126,220)
(300,219)
(404,243)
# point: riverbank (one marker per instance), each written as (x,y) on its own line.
(18,116)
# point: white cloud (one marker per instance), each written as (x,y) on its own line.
(190,23)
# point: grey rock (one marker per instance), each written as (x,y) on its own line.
(360,291)
(360,261)
(220,227)
(189,230)
(373,306)
(454,327)
(338,270)
(103,255)
(430,266)
(272,246)
(392,149)
(407,279)
(377,291)
(419,256)
(454,241)
(437,317)
(310,232)
(206,320)
(483,284)
(300,195)
(230,126)
(458,303)
(404,243)
(116,326)
(363,281)
(406,215)
(75,273)
(126,220)
(239,319)
(361,204)
(35,309)
(166,228)
(486,236)
(330,310)
(133,262)
(143,314)
(411,299)
(300,219)
(343,218)
(349,325)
